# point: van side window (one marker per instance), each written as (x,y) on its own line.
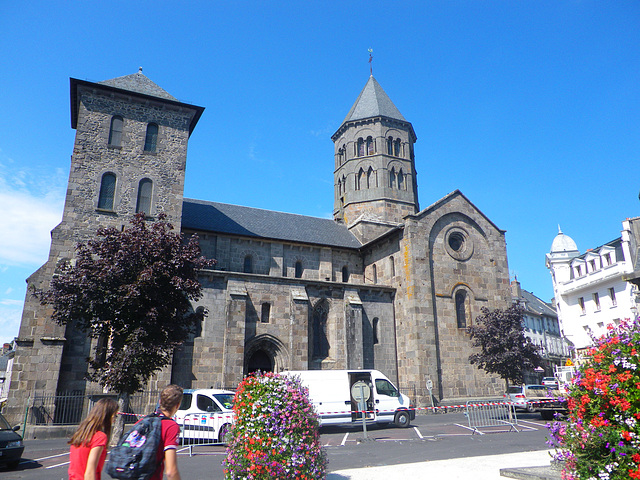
(384,387)
(206,404)
(186,402)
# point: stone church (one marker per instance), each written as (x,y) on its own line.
(383,285)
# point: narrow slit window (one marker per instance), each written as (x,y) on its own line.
(461,313)
(376,331)
(248,264)
(265,313)
(298,268)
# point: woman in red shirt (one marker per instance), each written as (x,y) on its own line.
(89,443)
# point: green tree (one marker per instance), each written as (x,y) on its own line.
(132,291)
(504,349)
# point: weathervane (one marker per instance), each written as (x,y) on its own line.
(370,60)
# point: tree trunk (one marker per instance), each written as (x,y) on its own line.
(118,427)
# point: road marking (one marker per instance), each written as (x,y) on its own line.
(418,432)
(58,465)
(469,428)
(51,456)
(520,422)
(344,440)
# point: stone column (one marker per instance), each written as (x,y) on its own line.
(236,312)
(299,334)
(353,328)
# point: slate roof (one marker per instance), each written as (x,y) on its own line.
(137,82)
(268,224)
(535,305)
(373,102)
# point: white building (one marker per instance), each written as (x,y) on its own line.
(542,327)
(591,289)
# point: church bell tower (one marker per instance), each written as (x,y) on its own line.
(374,176)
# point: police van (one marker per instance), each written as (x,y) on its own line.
(205,415)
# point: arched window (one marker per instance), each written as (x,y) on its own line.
(392,177)
(370,178)
(392,266)
(107,191)
(319,327)
(396,147)
(370,146)
(145,188)
(344,184)
(360,147)
(375,274)
(345,274)
(390,146)
(401,184)
(339,186)
(115,131)
(461,311)
(248,264)
(151,138)
(298,272)
(376,330)
(359,179)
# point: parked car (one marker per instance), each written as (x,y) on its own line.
(11,446)
(206,414)
(550,382)
(524,397)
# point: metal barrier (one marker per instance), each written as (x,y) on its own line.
(491,414)
(205,429)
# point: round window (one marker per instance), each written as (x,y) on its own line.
(456,241)
(458,244)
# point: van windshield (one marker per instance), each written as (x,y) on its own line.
(225,399)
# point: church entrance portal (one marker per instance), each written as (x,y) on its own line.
(261,361)
(265,353)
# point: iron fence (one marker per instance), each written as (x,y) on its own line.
(69,408)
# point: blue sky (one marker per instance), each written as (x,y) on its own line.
(531,108)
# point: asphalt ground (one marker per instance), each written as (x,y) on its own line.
(431,437)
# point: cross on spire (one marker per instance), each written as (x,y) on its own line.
(370,60)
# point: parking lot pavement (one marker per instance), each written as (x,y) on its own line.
(430,438)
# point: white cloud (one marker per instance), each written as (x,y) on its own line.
(31,207)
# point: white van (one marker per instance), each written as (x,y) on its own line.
(335,395)
(205,415)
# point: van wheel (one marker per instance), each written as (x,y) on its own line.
(402,419)
(224,436)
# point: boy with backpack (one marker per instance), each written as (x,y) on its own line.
(149,449)
(170,399)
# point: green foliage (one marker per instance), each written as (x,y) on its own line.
(132,290)
(504,349)
(601,438)
(276,432)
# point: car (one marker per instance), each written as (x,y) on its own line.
(524,397)
(550,382)
(11,445)
(206,415)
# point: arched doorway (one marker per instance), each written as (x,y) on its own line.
(265,353)
(259,361)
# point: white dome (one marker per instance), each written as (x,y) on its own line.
(563,243)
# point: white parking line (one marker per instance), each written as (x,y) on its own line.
(51,456)
(344,440)
(58,465)
(469,428)
(418,432)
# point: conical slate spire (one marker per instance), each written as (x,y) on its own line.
(373,102)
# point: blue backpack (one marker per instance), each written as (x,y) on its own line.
(136,456)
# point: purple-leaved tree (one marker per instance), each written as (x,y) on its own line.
(132,291)
(504,349)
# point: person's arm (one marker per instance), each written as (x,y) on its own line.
(171,464)
(92,463)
